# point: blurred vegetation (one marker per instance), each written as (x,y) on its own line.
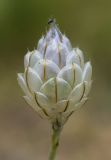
(23,135)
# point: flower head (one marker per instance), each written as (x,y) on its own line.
(56,80)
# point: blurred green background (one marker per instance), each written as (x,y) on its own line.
(23,135)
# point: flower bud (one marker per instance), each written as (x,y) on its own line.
(56,80)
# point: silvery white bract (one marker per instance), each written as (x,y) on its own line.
(56,80)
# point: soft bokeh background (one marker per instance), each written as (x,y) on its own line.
(23,135)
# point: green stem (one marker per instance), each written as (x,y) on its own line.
(55,143)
